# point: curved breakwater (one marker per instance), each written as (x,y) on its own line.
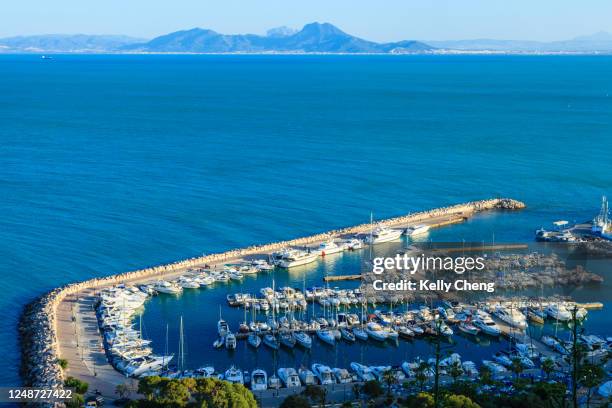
(38,323)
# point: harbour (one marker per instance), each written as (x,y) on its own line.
(88,353)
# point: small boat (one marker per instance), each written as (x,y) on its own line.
(558,312)
(347,334)
(234,375)
(259,380)
(535,315)
(303,339)
(354,244)
(323,373)
(219,342)
(222,327)
(342,376)
(289,377)
(287,340)
(468,328)
(404,332)
(254,340)
(496,369)
(363,372)
(230,341)
(271,341)
(376,332)
(167,287)
(383,234)
(360,333)
(326,336)
(274,382)
(486,325)
(417,230)
(503,359)
(236,276)
(329,247)
(306,376)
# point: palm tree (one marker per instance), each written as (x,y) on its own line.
(516,367)
(455,370)
(420,374)
(548,366)
(390,379)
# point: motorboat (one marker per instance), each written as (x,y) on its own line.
(234,375)
(558,312)
(262,265)
(230,341)
(167,287)
(296,257)
(329,247)
(417,230)
(511,317)
(259,380)
(326,336)
(323,373)
(347,334)
(354,244)
(254,340)
(363,372)
(527,350)
(360,333)
(342,376)
(306,376)
(271,341)
(303,339)
(236,276)
(222,327)
(405,332)
(383,234)
(468,328)
(503,359)
(375,331)
(289,377)
(534,315)
(496,369)
(274,382)
(483,321)
(187,283)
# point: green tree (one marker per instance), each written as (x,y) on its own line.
(62,363)
(122,390)
(459,401)
(420,374)
(174,393)
(516,367)
(589,376)
(295,401)
(389,379)
(486,376)
(148,386)
(372,389)
(80,387)
(316,394)
(548,366)
(455,370)
(77,401)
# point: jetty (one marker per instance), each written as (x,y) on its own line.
(61,324)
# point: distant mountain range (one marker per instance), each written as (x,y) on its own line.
(312,38)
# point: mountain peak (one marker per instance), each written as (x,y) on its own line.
(322,29)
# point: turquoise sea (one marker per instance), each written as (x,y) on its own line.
(112,163)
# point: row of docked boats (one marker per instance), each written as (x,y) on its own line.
(126,350)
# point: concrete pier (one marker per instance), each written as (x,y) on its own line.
(62,324)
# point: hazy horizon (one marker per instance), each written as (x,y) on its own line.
(437,20)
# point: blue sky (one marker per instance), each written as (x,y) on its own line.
(382,20)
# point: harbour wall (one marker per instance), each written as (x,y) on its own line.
(37,327)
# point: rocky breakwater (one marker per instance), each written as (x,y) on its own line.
(37,328)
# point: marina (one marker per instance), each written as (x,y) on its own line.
(299,327)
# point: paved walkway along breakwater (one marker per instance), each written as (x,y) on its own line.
(38,327)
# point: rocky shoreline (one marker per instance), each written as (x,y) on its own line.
(37,327)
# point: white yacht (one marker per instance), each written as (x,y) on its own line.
(323,373)
(363,372)
(512,317)
(234,375)
(307,377)
(222,327)
(376,331)
(383,234)
(483,321)
(259,380)
(167,287)
(329,247)
(354,244)
(342,376)
(297,257)
(289,377)
(496,369)
(230,341)
(142,365)
(417,230)
(558,312)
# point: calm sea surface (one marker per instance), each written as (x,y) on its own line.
(111,163)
